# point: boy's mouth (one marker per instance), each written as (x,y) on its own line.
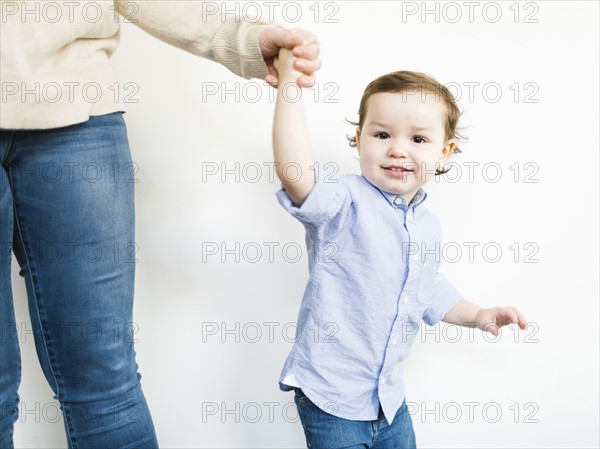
(398,168)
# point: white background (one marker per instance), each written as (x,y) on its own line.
(544,378)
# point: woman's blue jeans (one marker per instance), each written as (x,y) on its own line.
(67,213)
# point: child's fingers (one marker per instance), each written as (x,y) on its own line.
(493,328)
(489,322)
(522,321)
(512,314)
(504,316)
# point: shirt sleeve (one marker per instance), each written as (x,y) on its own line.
(199,28)
(325,207)
(445,296)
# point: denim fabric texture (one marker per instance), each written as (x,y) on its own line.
(327,431)
(67,213)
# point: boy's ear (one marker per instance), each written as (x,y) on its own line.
(448,149)
(357,138)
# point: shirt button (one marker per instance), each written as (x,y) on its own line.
(394,341)
(404,299)
(415,257)
(383,381)
(398,201)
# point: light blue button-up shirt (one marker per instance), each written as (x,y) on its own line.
(373,276)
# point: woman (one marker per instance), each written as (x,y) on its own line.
(67,203)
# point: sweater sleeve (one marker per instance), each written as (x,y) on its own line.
(200,28)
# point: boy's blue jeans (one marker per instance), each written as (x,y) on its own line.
(325,431)
(67,213)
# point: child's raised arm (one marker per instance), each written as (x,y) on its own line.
(291,145)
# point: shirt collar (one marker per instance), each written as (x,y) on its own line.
(400,202)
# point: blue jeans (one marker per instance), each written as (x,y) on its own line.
(325,431)
(67,213)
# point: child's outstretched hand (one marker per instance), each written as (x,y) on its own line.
(494,318)
(284,63)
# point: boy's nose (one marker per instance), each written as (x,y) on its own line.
(397,149)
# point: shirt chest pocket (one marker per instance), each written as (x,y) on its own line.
(427,281)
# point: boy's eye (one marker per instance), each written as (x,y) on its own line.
(419,139)
(382,135)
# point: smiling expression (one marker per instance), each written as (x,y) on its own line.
(402,141)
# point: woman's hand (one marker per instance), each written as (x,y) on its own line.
(304,46)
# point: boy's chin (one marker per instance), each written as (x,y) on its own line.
(395,188)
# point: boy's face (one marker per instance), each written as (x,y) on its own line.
(403,130)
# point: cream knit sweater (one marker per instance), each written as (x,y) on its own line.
(54,55)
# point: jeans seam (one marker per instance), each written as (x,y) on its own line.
(373,431)
(300,414)
(68,427)
(11,414)
(9,149)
